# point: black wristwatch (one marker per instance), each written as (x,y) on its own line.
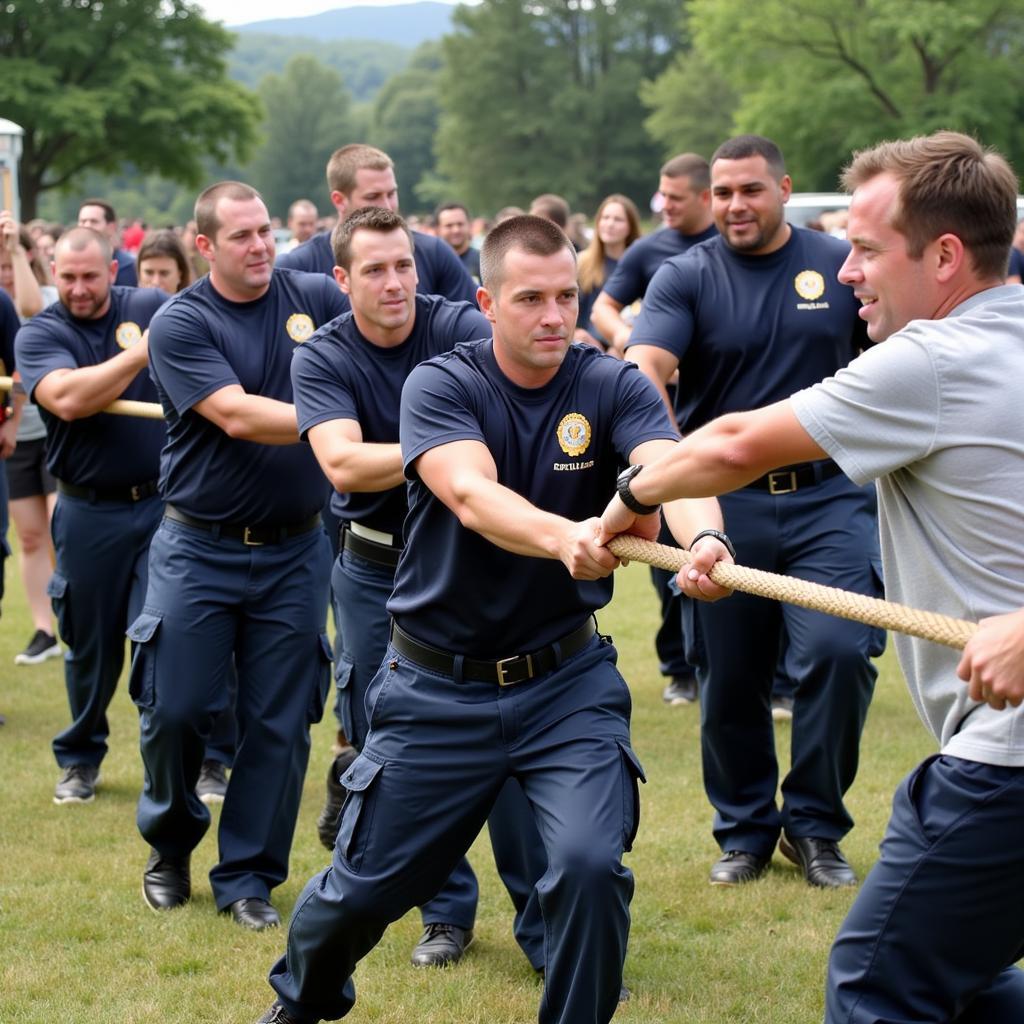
(719,536)
(622,488)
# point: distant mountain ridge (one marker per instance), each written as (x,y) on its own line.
(402,25)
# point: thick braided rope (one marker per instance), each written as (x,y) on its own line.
(119,407)
(870,610)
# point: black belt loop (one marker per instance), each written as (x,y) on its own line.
(510,671)
(252,536)
(126,493)
(789,479)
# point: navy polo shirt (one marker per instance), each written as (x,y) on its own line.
(751,330)
(438,269)
(560,446)
(641,260)
(339,375)
(9,324)
(471,261)
(202,342)
(101,450)
(1016,263)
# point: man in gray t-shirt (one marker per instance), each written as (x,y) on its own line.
(934,416)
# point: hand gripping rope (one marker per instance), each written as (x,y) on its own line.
(871,611)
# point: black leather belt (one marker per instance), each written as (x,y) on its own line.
(254,536)
(379,554)
(134,492)
(506,671)
(792,478)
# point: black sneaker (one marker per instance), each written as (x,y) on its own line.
(681,690)
(77,784)
(213,782)
(43,645)
(328,823)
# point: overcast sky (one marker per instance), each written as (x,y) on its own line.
(231,12)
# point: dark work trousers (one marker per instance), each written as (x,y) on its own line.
(360,590)
(213,601)
(938,924)
(828,534)
(97,589)
(438,753)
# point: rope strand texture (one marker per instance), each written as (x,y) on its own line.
(872,611)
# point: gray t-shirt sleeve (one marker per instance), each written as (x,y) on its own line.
(877,414)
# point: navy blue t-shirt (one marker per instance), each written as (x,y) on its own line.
(1016,263)
(641,260)
(438,269)
(101,450)
(202,342)
(9,324)
(471,261)
(560,446)
(127,271)
(338,374)
(751,330)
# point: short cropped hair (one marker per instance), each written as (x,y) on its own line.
(948,183)
(527,233)
(444,207)
(165,243)
(741,146)
(300,205)
(691,166)
(367,218)
(108,211)
(553,207)
(347,161)
(76,239)
(206,205)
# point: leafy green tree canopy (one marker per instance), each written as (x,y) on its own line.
(826,77)
(308,118)
(98,83)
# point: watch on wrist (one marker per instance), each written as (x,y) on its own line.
(626,495)
(719,536)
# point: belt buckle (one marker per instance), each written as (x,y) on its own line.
(136,492)
(788,487)
(503,679)
(247,538)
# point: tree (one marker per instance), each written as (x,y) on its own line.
(308,118)
(405,119)
(542,97)
(825,77)
(96,83)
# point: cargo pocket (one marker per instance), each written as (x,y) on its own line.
(357,812)
(322,683)
(142,675)
(343,681)
(57,591)
(632,776)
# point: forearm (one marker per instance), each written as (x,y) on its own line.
(688,517)
(607,318)
(360,466)
(28,299)
(255,418)
(506,518)
(75,394)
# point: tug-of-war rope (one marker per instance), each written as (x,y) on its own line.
(872,611)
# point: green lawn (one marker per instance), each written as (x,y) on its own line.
(79,945)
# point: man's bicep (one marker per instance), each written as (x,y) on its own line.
(657,363)
(45,393)
(777,438)
(221,406)
(450,468)
(325,438)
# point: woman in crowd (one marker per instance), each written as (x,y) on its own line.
(162,263)
(616,227)
(32,489)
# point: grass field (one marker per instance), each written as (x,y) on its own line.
(80,946)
